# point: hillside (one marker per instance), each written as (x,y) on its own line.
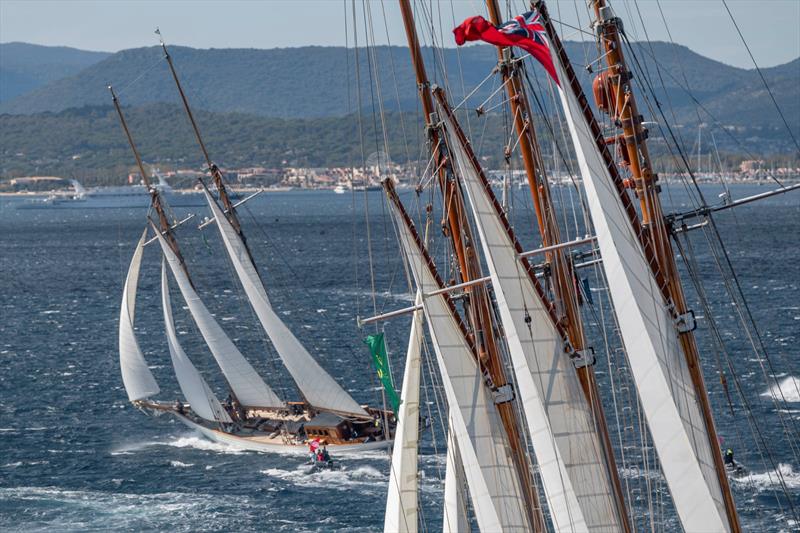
(25,67)
(88,143)
(288,82)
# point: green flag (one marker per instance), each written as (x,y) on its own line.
(381,362)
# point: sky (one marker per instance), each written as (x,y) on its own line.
(773,33)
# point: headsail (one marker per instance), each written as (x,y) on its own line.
(139,381)
(650,336)
(316,385)
(401,501)
(495,490)
(455,518)
(571,462)
(246,384)
(194,387)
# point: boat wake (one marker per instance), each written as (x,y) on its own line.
(200,443)
(771,478)
(332,479)
(788,388)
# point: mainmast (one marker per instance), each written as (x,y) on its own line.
(216,173)
(478,304)
(618,92)
(561,267)
(155,196)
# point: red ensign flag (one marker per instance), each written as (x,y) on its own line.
(524,31)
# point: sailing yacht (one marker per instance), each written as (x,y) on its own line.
(253,417)
(509,345)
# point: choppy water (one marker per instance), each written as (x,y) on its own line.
(75,456)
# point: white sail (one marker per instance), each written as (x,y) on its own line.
(139,381)
(195,389)
(650,336)
(494,487)
(455,511)
(401,500)
(576,481)
(317,386)
(244,381)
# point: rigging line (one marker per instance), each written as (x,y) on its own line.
(761,75)
(396,85)
(127,86)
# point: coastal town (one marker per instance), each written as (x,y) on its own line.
(342,179)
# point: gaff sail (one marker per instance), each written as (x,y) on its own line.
(495,491)
(401,500)
(316,385)
(194,387)
(455,511)
(650,336)
(571,462)
(139,381)
(244,381)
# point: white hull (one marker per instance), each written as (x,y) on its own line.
(250,444)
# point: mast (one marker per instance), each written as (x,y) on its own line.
(155,196)
(483,330)
(653,221)
(561,267)
(216,173)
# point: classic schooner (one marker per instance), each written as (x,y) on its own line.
(254,417)
(528,444)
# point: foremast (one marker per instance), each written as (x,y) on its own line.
(478,303)
(155,196)
(561,268)
(634,142)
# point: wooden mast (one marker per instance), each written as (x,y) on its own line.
(216,173)
(561,267)
(654,222)
(155,196)
(477,304)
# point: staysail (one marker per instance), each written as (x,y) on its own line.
(571,462)
(139,381)
(650,335)
(495,490)
(455,511)
(244,381)
(194,387)
(401,500)
(316,385)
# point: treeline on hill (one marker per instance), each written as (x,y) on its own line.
(88,143)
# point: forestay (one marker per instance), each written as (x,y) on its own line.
(139,381)
(494,487)
(575,477)
(316,385)
(244,381)
(195,389)
(658,366)
(401,500)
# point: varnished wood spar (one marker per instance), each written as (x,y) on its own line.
(477,304)
(155,197)
(216,174)
(563,273)
(653,220)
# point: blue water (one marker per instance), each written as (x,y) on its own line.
(75,456)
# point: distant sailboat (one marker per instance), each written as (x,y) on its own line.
(254,416)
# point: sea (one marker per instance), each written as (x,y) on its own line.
(76,456)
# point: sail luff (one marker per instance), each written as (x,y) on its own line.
(571,463)
(317,386)
(401,501)
(649,333)
(136,376)
(455,518)
(495,491)
(246,384)
(195,389)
